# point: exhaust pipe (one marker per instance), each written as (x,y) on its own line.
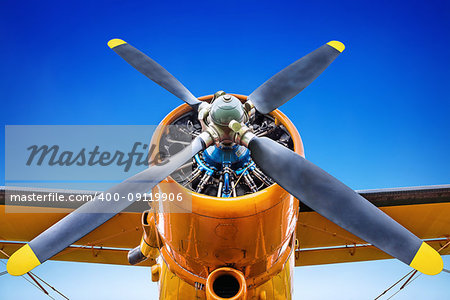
(136,256)
(149,245)
(226,284)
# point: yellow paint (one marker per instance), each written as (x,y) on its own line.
(145,248)
(262,295)
(239,276)
(171,287)
(149,251)
(217,231)
(314,231)
(279,286)
(22,261)
(427,260)
(156,272)
(336,45)
(259,239)
(115,42)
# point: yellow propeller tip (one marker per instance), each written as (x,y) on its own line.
(22,261)
(336,45)
(115,42)
(427,260)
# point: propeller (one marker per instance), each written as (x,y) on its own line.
(95,212)
(341,205)
(301,178)
(153,70)
(294,78)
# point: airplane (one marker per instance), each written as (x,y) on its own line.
(256,207)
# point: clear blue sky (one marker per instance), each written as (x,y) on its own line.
(378,117)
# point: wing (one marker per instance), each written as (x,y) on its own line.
(424,211)
(107,244)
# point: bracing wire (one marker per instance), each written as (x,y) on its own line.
(32,283)
(36,283)
(410,279)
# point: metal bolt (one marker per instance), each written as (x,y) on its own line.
(227,98)
(235,125)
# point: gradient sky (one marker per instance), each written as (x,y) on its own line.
(377,118)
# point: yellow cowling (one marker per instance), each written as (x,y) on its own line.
(253,234)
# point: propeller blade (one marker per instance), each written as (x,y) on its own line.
(94,213)
(294,78)
(152,70)
(341,205)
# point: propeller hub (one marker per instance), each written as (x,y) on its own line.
(226,108)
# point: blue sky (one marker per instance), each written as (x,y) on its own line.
(378,117)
